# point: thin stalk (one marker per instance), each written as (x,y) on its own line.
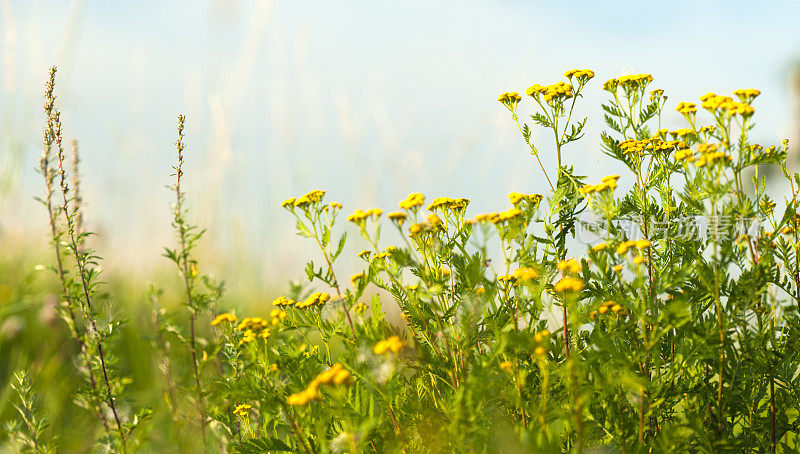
(335,281)
(80,259)
(183,264)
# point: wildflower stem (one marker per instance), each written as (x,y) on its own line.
(81,262)
(295,427)
(534,151)
(183,265)
(335,281)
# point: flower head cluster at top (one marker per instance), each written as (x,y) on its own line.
(520,275)
(553,94)
(413,201)
(509,98)
(252,328)
(361,215)
(498,218)
(723,105)
(542,339)
(582,75)
(226,317)
(569,283)
(713,103)
(311,198)
(604,308)
(242,410)
(316,299)
(336,375)
(549,93)
(608,183)
(516,197)
(520,201)
(626,246)
(653,144)
(628,83)
(392,344)
(448,203)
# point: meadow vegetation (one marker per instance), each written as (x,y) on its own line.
(675,330)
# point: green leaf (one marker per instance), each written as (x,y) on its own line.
(302,230)
(340,247)
(261,445)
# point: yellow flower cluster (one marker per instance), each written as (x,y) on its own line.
(608,306)
(686,108)
(364,254)
(242,411)
(336,375)
(282,301)
(520,275)
(393,344)
(413,200)
(311,198)
(354,279)
(568,284)
(683,132)
(634,146)
(599,247)
(397,216)
(448,203)
(747,94)
(501,217)
(517,197)
(526,274)
(230,318)
(711,157)
(710,154)
(542,338)
(253,327)
(360,215)
(360,308)
(713,102)
(558,90)
(653,144)
(277,316)
(507,279)
(608,182)
(505,366)
(569,266)
(252,323)
(628,82)
(422,227)
(386,254)
(510,98)
(656,94)
(316,299)
(580,74)
(687,154)
(623,247)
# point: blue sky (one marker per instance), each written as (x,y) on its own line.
(368,99)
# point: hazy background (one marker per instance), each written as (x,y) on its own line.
(369,100)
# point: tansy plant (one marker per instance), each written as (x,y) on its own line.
(675,330)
